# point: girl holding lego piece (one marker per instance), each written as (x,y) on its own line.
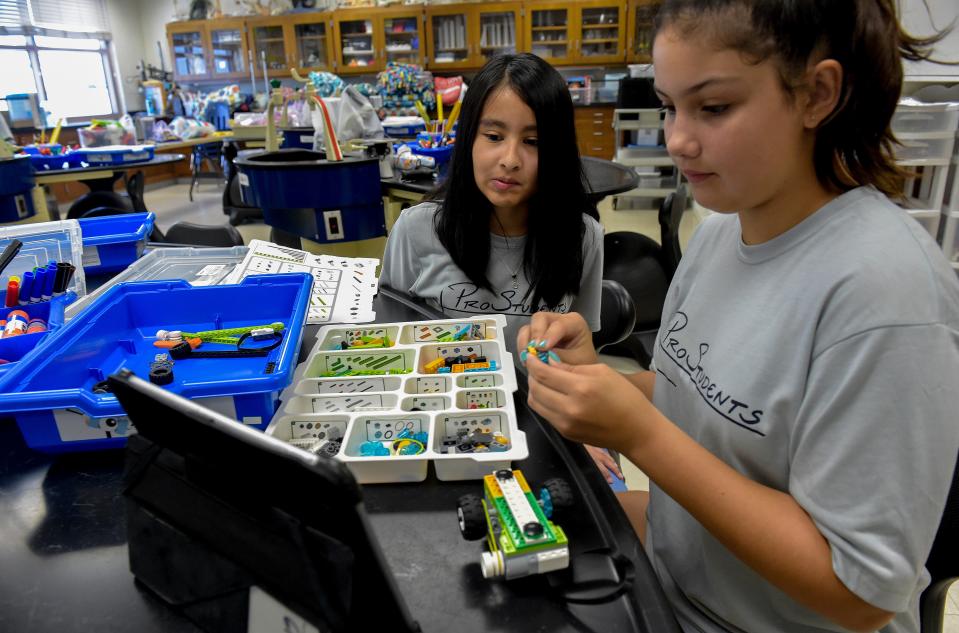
(798,427)
(511,230)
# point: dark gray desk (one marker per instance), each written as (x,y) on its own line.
(63,552)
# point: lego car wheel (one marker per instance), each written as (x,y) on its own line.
(471,516)
(560,495)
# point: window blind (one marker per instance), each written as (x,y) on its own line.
(14,13)
(82,16)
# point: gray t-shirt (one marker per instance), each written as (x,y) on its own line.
(823,363)
(417,263)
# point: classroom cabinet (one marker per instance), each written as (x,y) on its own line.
(440,37)
(586,32)
(272,45)
(462,36)
(366,40)
(312,37)
(227,47)
(639,46)
(188,49)
(594,131)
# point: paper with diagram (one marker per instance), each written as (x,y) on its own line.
(343,287)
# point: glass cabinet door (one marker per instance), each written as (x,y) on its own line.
(356,45)
(311,45)
(641,15)
(600,34)
(549,33)
(228,53)
(401,39)
(450,40)
(498,34)
(189,54)
(270,47)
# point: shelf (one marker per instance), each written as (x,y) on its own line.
(600,26)
(549,28)
(358,53)
(268,40)
(450,50)
(486,48)
(605,41)
(550,43)
(357,34)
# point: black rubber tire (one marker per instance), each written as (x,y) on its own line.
(560,494)
(472,517)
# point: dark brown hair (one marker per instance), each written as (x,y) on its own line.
(854,145)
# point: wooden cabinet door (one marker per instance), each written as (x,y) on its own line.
(228,50)
(499,30)
(357,41)
(451,37)
(639,44)
(270,40)
(600,33)
(400,35)
(188,50)
(312,42)
(550,30)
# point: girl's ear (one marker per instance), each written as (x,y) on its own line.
(824,85)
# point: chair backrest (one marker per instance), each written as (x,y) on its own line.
(636,262)
(221,116)
(617,315)
(204,235)
(99,212)
(135,191)
(670,216)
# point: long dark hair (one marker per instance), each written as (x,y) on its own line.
(855,145)
(553,258)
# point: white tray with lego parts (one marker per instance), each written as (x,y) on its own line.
(389,399)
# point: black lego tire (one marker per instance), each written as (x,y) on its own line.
(472,517)
(560,494)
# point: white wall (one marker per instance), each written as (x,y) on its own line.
(125,26)
(920,21)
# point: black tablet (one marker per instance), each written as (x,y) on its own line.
(242,532)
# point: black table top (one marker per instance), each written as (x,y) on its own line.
(63,548)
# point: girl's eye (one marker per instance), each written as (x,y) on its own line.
(668,109)
(492,136)
(532,141)
(715,109)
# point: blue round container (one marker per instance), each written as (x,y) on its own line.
(303,193)
(16,183)
(297,138)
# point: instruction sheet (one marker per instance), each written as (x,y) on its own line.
(343,287)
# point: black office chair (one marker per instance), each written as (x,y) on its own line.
(135,185)
(943,563)
(203,235)
(617,315)
(645,269)
(97,200)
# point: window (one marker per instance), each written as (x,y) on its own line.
(69,69)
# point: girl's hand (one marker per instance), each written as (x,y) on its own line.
(591,404)
(604,462)
(567,335)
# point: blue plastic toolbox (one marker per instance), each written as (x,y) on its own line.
(113,242)
(117,154)
(56,395)
(15,348)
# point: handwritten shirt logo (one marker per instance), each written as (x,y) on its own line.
(467,297)
(689,358)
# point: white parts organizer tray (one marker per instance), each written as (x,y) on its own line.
(354,396)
